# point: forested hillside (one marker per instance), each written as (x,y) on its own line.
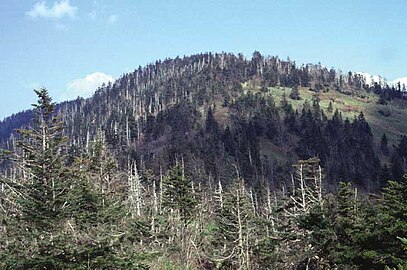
(64,210)
(211,161)
(262,114)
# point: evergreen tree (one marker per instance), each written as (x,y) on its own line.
(58,210)
(46,200)
(307,232)
(330,107)
(397,170)
(233,242)
(295,93)
(178,194)
(346,227)
(383,144)
(382,99)
(392,214)
(402,150)
(45,194)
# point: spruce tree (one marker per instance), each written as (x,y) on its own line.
(42,161)
(384,148)
(346,227)
(392,213)
(234,233)
(295,94)
(177,193)
(45,194)
(60,222)
(330,107)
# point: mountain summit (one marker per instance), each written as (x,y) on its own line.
(261,114)
(211,161)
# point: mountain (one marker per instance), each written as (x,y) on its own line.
(220,110)
(211,161)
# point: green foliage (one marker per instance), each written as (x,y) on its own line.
(69,209)
(155,118)
(265,247)
(346,226)
(368,239)
(177,193)
(61,222)
(235,227)
(295,94)
(392,213)
(330,108)
(44,193)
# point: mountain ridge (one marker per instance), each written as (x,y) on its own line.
(217,107)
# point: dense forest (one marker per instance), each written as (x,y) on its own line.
(197,163)
(216,109)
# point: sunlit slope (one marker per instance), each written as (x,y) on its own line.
(390,119)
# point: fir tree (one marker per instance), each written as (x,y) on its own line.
(45,199)
(393,217)
(177,193)
(58,209)
(235,229)
(295,93)
(346,226)
(330,107)
(383,144)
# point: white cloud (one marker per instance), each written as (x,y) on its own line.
(85,87)
(58,10)
(113,18)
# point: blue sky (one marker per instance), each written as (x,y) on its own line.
(71,46)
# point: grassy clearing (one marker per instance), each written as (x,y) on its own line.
(393,123)
(392,119)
